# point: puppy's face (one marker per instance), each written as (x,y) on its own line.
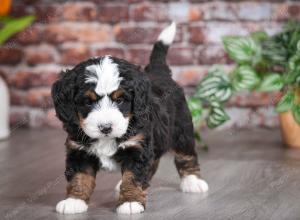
(104,116)
(104,106)
(100,97)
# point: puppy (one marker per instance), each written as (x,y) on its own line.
(121,117)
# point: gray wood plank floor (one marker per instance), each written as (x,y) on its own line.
(250,174)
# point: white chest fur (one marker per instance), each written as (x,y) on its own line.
(104,149)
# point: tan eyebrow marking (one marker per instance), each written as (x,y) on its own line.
(116,94)
(92,95)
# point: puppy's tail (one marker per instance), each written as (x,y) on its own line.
(161,46)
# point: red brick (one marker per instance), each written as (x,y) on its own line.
(39,55)
(219,11)
(89,32)
(134,35)
(214,31)
(39,97)
(113,13)
(284,11)
(254,11)
(79,11)
(196,34)
(49,77)
(19,10)
(10,55)
(19,117)
(195,13)
(46,13)
(189,76)
(181,55)
(149,12)
(254,99)
(139,56)
(74,55)
(17,97)
(212,54)
(26,79)
(31,35)
(139,34)
(115,52)
(280,11)
(294,11)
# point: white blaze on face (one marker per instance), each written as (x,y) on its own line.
(106,76)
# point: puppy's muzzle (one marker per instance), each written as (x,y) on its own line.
(105,128)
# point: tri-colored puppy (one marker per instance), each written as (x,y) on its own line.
(121,117)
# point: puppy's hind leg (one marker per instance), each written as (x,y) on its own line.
(187,165)
(189,172)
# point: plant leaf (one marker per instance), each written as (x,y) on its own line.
(294,62)
(244,78)
(296,113)
(272,82)
(215,86)
(286,102)
(241,49)
(290,77)
(13,26)
(195,107)
(217,116)
(259,36)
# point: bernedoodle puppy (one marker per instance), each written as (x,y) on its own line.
(121,117)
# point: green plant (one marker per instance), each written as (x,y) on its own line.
(11,26)
(262,63)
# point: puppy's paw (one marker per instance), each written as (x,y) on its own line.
(193,184)
(117,187)
(71,206)
(130,208)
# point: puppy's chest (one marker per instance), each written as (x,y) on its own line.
(104,150)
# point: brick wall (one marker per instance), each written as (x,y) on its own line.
(67,32)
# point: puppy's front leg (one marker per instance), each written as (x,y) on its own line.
(132,198)
(80,172)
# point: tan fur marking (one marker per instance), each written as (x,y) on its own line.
(91,94)
(130,190)
(116,94)
(71,144)
(187,165)
(81,186)
(133,142)
(81,120)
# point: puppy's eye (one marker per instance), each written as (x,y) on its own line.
(88,101)
(119,101)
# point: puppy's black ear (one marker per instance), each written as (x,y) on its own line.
(141,97)
(63,92)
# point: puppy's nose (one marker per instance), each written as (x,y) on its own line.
(105,128)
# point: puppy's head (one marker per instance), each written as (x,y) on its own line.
(101,96)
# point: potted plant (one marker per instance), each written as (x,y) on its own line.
(262,63)
(8,27)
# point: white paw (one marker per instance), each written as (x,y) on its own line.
(71,206)
(130,208)
(193,184)
(117,187)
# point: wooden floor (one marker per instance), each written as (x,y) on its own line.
(250,174)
